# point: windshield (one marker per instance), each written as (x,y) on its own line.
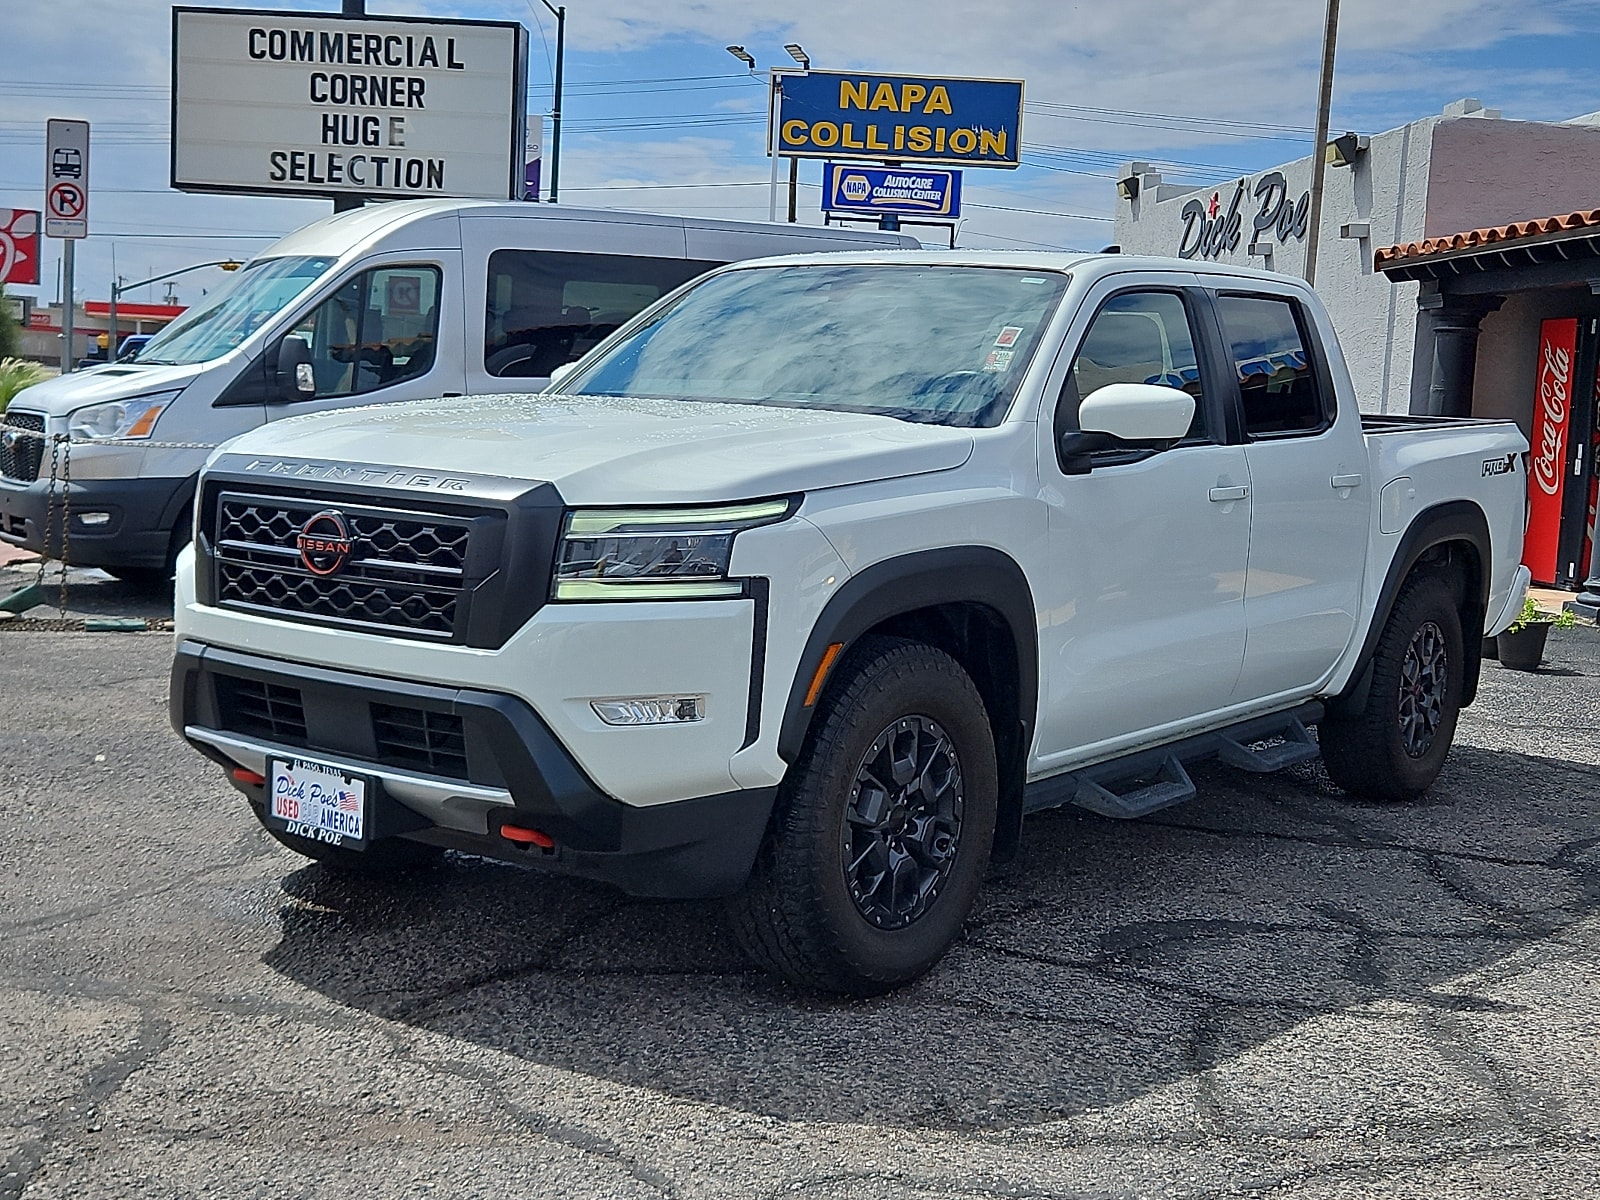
(940,344)
(229,315)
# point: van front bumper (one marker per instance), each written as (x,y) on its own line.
(484,760)
(135,532)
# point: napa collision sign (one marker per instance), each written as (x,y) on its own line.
(900,118)
(905,191)
(312,104)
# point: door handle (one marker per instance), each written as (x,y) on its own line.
(1221,495)
(1346,481)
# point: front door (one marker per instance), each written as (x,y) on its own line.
(377,339)
(1142,624)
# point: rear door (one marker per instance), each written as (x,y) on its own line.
(1142,617)
(1309,493)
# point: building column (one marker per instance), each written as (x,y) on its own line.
(1587,604)
(1455,324)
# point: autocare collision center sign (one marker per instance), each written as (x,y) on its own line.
(899,118)
(313,104)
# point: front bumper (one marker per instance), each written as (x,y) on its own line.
(138,533)
(500,764)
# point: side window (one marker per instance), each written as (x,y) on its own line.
(378,329)
(1277,379)
(1137,337)
(547,308)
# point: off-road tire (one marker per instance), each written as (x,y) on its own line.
(1366,752)
(390,858)
(798,916)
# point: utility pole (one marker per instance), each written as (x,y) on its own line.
(1319,152)
(555,112)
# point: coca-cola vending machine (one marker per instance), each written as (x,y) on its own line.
(1561,490)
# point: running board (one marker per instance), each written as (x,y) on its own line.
(1160,772)
(1296,747)
(1170,786)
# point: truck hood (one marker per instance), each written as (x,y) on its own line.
(609,450)
(95,385)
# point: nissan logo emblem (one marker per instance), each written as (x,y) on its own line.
(325,543)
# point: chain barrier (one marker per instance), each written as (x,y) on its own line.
(59,512)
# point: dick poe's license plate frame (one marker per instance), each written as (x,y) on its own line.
(320,802)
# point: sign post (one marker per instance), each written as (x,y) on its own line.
(66,210)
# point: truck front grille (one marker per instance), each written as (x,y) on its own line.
(264,710)
(405,573)
(433,742)
(21,455)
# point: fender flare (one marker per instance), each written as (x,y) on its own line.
(1453,521)
(978,575)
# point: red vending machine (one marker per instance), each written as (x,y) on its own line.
(1561,487)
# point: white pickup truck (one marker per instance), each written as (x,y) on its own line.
(810,582)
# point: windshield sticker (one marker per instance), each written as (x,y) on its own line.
(998,361)
(1008,336)
(1033,281)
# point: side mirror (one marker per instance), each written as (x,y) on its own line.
(1121,413)
(295,378)
(559,373)
(1137,412)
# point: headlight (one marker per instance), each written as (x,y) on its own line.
(656,553)
(120,418)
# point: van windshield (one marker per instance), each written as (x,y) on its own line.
(938,344)
(232,313)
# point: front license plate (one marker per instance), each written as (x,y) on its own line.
(319,802)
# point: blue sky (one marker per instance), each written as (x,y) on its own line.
(660,117)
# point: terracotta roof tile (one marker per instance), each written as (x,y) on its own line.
(1517,230)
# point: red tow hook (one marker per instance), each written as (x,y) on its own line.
(527,837)
(253,778)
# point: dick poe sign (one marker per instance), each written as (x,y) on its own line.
(899,118)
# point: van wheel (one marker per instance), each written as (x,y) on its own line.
(882,829)
(386,859)
(1395,746)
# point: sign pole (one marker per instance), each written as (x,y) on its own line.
(772,124)
(68,308)
(343,201)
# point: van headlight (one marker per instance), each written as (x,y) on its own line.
(656,553)
(134,418)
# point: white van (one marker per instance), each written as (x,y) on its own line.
(398,301)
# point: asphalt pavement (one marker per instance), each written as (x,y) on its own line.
(1271,991)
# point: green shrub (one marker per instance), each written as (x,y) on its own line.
(1532,614)
(16,374)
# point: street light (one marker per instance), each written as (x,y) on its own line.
(749,62)
(117,288)
(555,113)
(804,59)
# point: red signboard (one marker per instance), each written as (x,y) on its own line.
(1552,418)
(19,246)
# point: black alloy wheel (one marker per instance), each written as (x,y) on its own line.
(1394,745)
(1424,683)
(882,831)
(903,825)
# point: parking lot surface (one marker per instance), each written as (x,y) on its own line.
(1273,990)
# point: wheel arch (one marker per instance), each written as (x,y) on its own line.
(1454,535)
(972,602)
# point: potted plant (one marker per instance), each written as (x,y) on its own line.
(1521,646)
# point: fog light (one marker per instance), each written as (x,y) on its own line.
(650,710)
(94,519)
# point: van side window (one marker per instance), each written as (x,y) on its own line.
(1277,379)
(378,329)
(547,308)
(1137,337)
